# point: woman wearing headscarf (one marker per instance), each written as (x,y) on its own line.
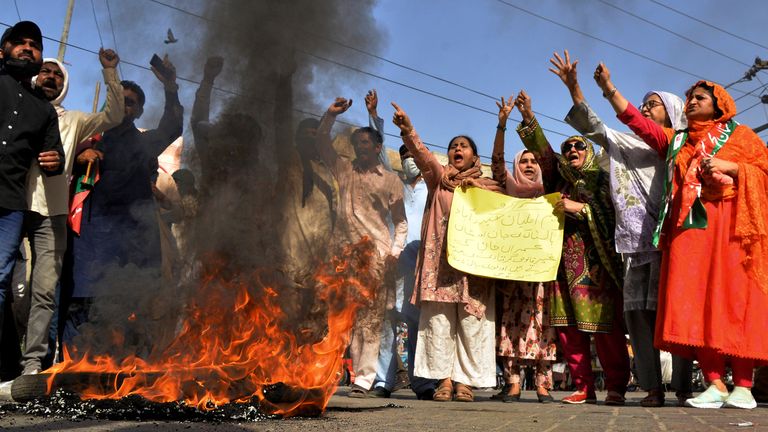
(456,336)
(713,230)
(587,300)
(525,336)
(636,182)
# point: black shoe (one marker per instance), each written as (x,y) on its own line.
(545,398)
(379,392)
(426,395)
(503,392)
(511,398)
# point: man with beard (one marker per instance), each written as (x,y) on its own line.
(369,195)
(28,130)
(117,252)
(45,225)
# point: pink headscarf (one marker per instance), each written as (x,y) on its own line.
(518,185)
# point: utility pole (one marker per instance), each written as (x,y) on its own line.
(65,32)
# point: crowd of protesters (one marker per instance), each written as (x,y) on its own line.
(663,236)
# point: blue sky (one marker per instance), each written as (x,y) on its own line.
(490,47)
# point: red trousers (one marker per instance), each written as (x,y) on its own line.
(712,365)
(611,350)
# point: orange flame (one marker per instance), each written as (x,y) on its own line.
(234,345)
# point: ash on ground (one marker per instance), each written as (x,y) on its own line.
(68,405)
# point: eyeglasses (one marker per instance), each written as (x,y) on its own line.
(651,104)
(578,145)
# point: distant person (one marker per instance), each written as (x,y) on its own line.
(713,290)
(370,196)
(587,300)
(29,134)
(45,225)
(636,183)
(456,327)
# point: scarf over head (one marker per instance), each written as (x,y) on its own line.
(590,185)
(750,188)
(675,108)
(452,177)
(520,186)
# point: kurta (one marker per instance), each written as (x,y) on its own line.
(588,283)
(724,308)
(436,280)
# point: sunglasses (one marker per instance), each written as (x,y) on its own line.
(578,145)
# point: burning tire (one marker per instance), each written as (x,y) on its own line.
(28,387)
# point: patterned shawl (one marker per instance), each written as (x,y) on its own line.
(589,184)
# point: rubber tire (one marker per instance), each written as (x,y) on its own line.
(28,387)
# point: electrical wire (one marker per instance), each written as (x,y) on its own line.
(96,21)
(708,24)
(685,38)
(18,14)
(114,38)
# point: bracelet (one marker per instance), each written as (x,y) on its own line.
(610,93)
(501,128)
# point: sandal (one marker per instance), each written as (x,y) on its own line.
(357,392)
(464,393)
(444,391)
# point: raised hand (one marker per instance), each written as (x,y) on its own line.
(108,58)
(565,69)
(523,103)
(339,106)
(213,67)
(169,77)
(602,77)
(505,108)
(372,102)
(401,120)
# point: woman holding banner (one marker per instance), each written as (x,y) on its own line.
(456,336)
(525,337)
(587,300)
(713,229)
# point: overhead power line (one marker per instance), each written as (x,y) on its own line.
(685,38)
(708,24)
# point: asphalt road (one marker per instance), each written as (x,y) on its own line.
(403,412)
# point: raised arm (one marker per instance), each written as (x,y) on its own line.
(498,167)
(653,134)
(323,142)
(430,167)
(114,107)
(171,123)
(376,122)
(283,113)
(580,116)
(566,71)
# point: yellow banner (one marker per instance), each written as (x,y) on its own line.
(498,236)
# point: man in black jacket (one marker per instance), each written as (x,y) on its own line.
(29,130)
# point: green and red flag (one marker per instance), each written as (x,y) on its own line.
(83,187)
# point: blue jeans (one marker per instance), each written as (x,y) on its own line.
(386,368)
(11,223)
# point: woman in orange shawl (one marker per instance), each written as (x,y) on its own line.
(713,293)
